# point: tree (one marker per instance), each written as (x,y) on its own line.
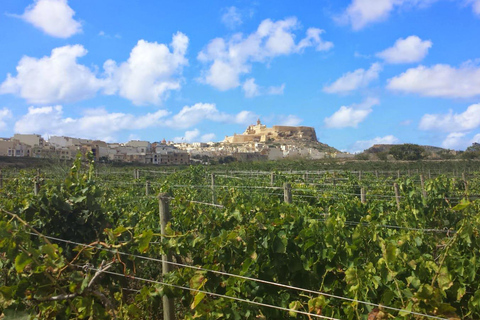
(407,151)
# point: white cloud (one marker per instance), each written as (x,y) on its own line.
(53,79)
(363,12)
(151,71)
(4,115)
(439,81)
(313,39)
(190,116)
(194,136)
(352,115)
(276,90)
(350,81)
(290,120)
(232,18)
(229,59)
(456,141)
(476,139)
(208,137)
(475,6)
(94,124)
(362,145)
(250,88)
(54,17)
(452,122)
(408,50)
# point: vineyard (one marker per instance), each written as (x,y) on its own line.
(204,243)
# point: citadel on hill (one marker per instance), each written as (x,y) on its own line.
(258,142)
(260,133)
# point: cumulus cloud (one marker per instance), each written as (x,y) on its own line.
(351,116)
(151,71)
(408,50)
(475,6)
(350,81)
(232,17)
(290,120)
(251,89)
(191,115)
(476,138)
(363,12)
(229,59)
(94,124)
(54,17)
(276,90)
(456,141)
(147,77)
(361,145)
(53,79)
(194,136)
(5,114)
(452,122)
(441,80)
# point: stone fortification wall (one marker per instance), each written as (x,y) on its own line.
(260,133)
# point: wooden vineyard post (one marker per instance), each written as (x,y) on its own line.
(363,197)
(359,175)
(168,307)
(465,183)
(397,195)
(147,188)
(272,179)
(36,185)
(1,179)
(376,174)
(398,174)
(287,193)
(429,174)
(214,198)
(134,173)
(422,182)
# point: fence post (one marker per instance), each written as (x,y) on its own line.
(168,306)
(398,174)
(397,195)
(36,185)
(363,198)
(422,182)
(214,198)
(465,183)
(287,193)
(359,175)
(429,174)
(147,188)
(376,174)
(272,179)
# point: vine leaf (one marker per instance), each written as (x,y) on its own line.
(21,261)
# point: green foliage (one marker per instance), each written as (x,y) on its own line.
(407,151)
(421,257)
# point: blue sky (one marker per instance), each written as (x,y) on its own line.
(359,71)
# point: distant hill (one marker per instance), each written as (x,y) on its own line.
(386,148)
(430,152)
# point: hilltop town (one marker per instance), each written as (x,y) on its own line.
(258,142)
